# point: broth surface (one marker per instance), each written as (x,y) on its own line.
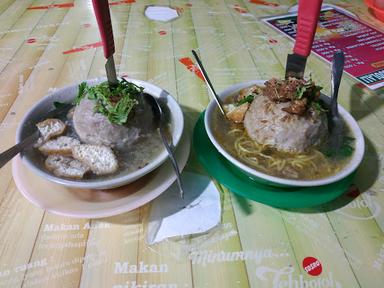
(130,157)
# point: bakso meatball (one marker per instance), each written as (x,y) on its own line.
(267,123)
(95,128)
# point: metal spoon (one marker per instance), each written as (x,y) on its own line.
(336,123)
(160,119)
(7,155)
(19,147)
(208,82)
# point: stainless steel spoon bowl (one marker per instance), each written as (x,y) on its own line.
(336,125)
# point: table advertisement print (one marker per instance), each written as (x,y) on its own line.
(362,44)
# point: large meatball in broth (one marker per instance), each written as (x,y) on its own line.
(266,123)
(95,128)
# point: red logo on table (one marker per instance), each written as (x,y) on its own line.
(191,67)
(122,2)
(31,40)
(62,5)
(84,47)
(312,266)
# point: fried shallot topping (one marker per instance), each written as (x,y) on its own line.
(303,94)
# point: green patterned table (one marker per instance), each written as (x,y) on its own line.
(47,44)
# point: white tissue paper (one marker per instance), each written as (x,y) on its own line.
(198,212)
(161,13)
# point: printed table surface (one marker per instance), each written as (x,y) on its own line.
(47,44)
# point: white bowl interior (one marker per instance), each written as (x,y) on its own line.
(34,160)
(348,169)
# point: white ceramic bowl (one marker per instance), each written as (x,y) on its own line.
(278,181)
(35,160)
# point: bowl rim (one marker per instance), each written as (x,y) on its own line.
(178,120)
(348,169)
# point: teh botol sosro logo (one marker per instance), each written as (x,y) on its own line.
(312,266)
(284,277)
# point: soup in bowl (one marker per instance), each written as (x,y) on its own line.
(108,136)
(276,132)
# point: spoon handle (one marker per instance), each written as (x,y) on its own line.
(159,116)
(13,151)
(173,160)
(209,84)
(337,72)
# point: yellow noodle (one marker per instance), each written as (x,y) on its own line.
(233,131)
(253,154)
(282,165)
(297,166)
(273,164)
(313,165)
(265,156)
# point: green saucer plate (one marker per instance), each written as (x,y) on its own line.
(237,182)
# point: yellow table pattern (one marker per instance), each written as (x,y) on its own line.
(47,44)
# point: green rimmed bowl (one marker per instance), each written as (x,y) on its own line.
(279,181)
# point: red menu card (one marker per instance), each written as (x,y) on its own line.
(362,44)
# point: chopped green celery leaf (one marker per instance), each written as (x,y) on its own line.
(247,99)
(81,93)
(114,102)
(345,150)
(300,92)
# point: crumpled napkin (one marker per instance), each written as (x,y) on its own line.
(198,212)
(161,13)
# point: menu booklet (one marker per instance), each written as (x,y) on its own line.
(362,44)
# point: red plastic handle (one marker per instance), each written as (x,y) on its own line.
(103,17)
(307,18)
